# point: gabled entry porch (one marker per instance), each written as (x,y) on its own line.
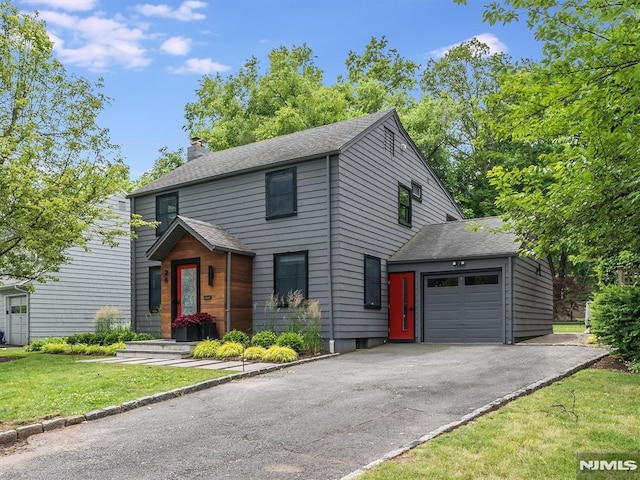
(204,269)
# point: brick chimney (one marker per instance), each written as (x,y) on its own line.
(196,149)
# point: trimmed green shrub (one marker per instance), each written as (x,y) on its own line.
(94,350)
(54,347)
(280,354)
(236,336)
(111,349)
(36,345)
(138,337)
(206,349)
(264,339)
(230,349)
(76,348)
(254,353)
(293,340)
(615,319)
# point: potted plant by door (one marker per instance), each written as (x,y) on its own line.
(194,327)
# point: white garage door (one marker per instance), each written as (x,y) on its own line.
(463,308)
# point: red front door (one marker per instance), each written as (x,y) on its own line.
(186,289)
(401,306)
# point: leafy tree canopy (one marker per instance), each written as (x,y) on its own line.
(57,166)
(165,163)
(443,108)
(583,97)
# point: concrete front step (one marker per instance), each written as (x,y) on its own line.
(166,349)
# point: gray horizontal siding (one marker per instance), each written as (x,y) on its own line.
(238,204)
(365,221)
(93,279)
(533,298)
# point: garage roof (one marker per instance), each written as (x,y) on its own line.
(477,238)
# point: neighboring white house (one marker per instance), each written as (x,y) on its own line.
(93,279)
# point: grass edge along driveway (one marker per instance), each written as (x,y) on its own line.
(40,386)
(533,437)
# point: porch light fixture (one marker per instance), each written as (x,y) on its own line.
(166,276)
(210,275)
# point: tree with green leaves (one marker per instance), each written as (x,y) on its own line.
(583,97)
(57,166)
(165,163)
(467,79)
(250,106)
(379,78)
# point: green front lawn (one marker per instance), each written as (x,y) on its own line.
(534,437)
(43,386)
(576,328)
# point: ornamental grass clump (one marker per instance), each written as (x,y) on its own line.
(254,353)
(206,349)
(230,350)
(280,354)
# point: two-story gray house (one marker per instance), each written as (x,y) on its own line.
(327,211)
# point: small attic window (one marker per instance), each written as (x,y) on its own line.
(389,141)
(416,191)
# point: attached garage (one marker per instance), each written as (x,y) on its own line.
(468,285)
(463,308)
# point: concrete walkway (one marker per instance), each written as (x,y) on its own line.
(319,420)
(208,364)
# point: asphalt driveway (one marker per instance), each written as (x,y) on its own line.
(320,420)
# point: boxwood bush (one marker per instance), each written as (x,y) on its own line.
(615,319)
(236,336)
(264,339)
(293,340)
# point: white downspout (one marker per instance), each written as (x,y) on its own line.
(332,342)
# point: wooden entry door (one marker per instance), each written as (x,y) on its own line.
(401,306)
(186,289)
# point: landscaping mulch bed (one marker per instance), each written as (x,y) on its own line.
(611,362)
(8,359)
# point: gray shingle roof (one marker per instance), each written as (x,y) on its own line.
(314,142)
(211,236)
(459,240)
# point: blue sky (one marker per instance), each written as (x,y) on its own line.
(153,54)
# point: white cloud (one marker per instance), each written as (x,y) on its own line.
(202,66)
(185,12)
(70,5)
(493,42)
(176,46)
(96,42)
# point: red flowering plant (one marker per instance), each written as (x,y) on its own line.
(193,320)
